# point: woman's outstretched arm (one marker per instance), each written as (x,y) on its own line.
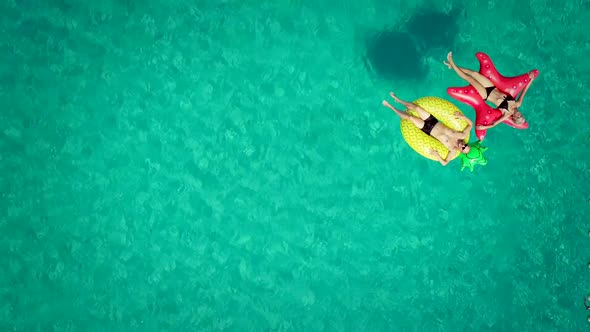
(526,88)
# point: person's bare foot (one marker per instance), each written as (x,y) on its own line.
(395,97)
(402,114)
(449,62)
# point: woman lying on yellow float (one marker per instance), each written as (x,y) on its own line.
(434,128)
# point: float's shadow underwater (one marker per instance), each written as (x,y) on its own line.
(398,52)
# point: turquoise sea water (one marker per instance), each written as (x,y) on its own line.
(228,166)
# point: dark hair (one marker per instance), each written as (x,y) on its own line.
(464,145)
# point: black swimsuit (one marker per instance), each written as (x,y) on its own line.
(504,103)
(489,91)
(429,123)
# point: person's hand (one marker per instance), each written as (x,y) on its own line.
(433,152)
(531,76)
(448,64)
(458,115)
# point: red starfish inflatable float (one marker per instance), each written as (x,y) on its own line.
(484,114)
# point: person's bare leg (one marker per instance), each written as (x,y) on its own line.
(467,71)
(422,113)
(472,80)
(479,77)
(405,116)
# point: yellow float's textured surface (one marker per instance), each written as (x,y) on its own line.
(444,111)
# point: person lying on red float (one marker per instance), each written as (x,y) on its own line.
(503,101)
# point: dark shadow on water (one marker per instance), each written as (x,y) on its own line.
(393,56)
(400,54)
(432,29)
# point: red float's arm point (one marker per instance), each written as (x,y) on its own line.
(484,114)
(510,85)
